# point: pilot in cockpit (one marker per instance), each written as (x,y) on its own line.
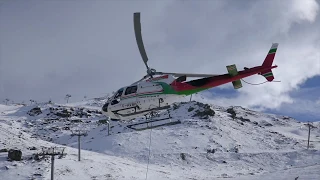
(116,98)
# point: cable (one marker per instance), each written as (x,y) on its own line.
(258,83)
(149,154)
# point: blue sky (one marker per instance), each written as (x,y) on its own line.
(87,48)
(307,106)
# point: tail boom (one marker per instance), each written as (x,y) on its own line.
(233,76)
(197,85)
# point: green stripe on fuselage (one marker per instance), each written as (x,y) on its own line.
(167,89)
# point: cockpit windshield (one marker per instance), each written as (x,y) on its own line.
(115,99)
(118,94)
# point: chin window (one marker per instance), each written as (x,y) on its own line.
(105,107)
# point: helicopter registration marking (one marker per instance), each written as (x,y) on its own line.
(129,105)
(149,96)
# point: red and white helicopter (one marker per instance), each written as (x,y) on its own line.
(158,90)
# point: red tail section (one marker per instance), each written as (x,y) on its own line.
(268,62)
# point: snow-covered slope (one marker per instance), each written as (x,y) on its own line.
(210,142)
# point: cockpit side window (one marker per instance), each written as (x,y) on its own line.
(131,90)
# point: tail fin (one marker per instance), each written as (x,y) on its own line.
(268,62)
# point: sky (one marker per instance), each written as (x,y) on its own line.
(51,48)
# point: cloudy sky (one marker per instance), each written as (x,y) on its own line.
(50,48)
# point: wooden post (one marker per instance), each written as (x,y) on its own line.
(108,128)
(308,135)
(309,130)
(79,148)
(52,166)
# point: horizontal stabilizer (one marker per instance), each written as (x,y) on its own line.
(232,70)
(268,75)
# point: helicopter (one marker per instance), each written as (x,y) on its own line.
(158,90)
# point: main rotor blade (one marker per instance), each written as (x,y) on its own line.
(137,30)
(187,74)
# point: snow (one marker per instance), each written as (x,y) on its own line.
(251,146)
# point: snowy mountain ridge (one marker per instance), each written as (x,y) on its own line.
(210,142)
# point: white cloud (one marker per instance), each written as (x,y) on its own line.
(56,48)
(304,109)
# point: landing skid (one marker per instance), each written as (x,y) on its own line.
(151,122)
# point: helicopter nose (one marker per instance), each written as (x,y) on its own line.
(105,107)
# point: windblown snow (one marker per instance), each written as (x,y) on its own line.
(211,142)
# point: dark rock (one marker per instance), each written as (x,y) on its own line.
(32,148)
(190,109)
(3,150)
(211,150)
(175,106)
(268,124)
(232,112)
(205,113)
(63,114)
(286,118)
(14,155)
(102,121)
(54,129)
(66,128)
(76,121)
(34,111)
(244,119)
(183,156)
